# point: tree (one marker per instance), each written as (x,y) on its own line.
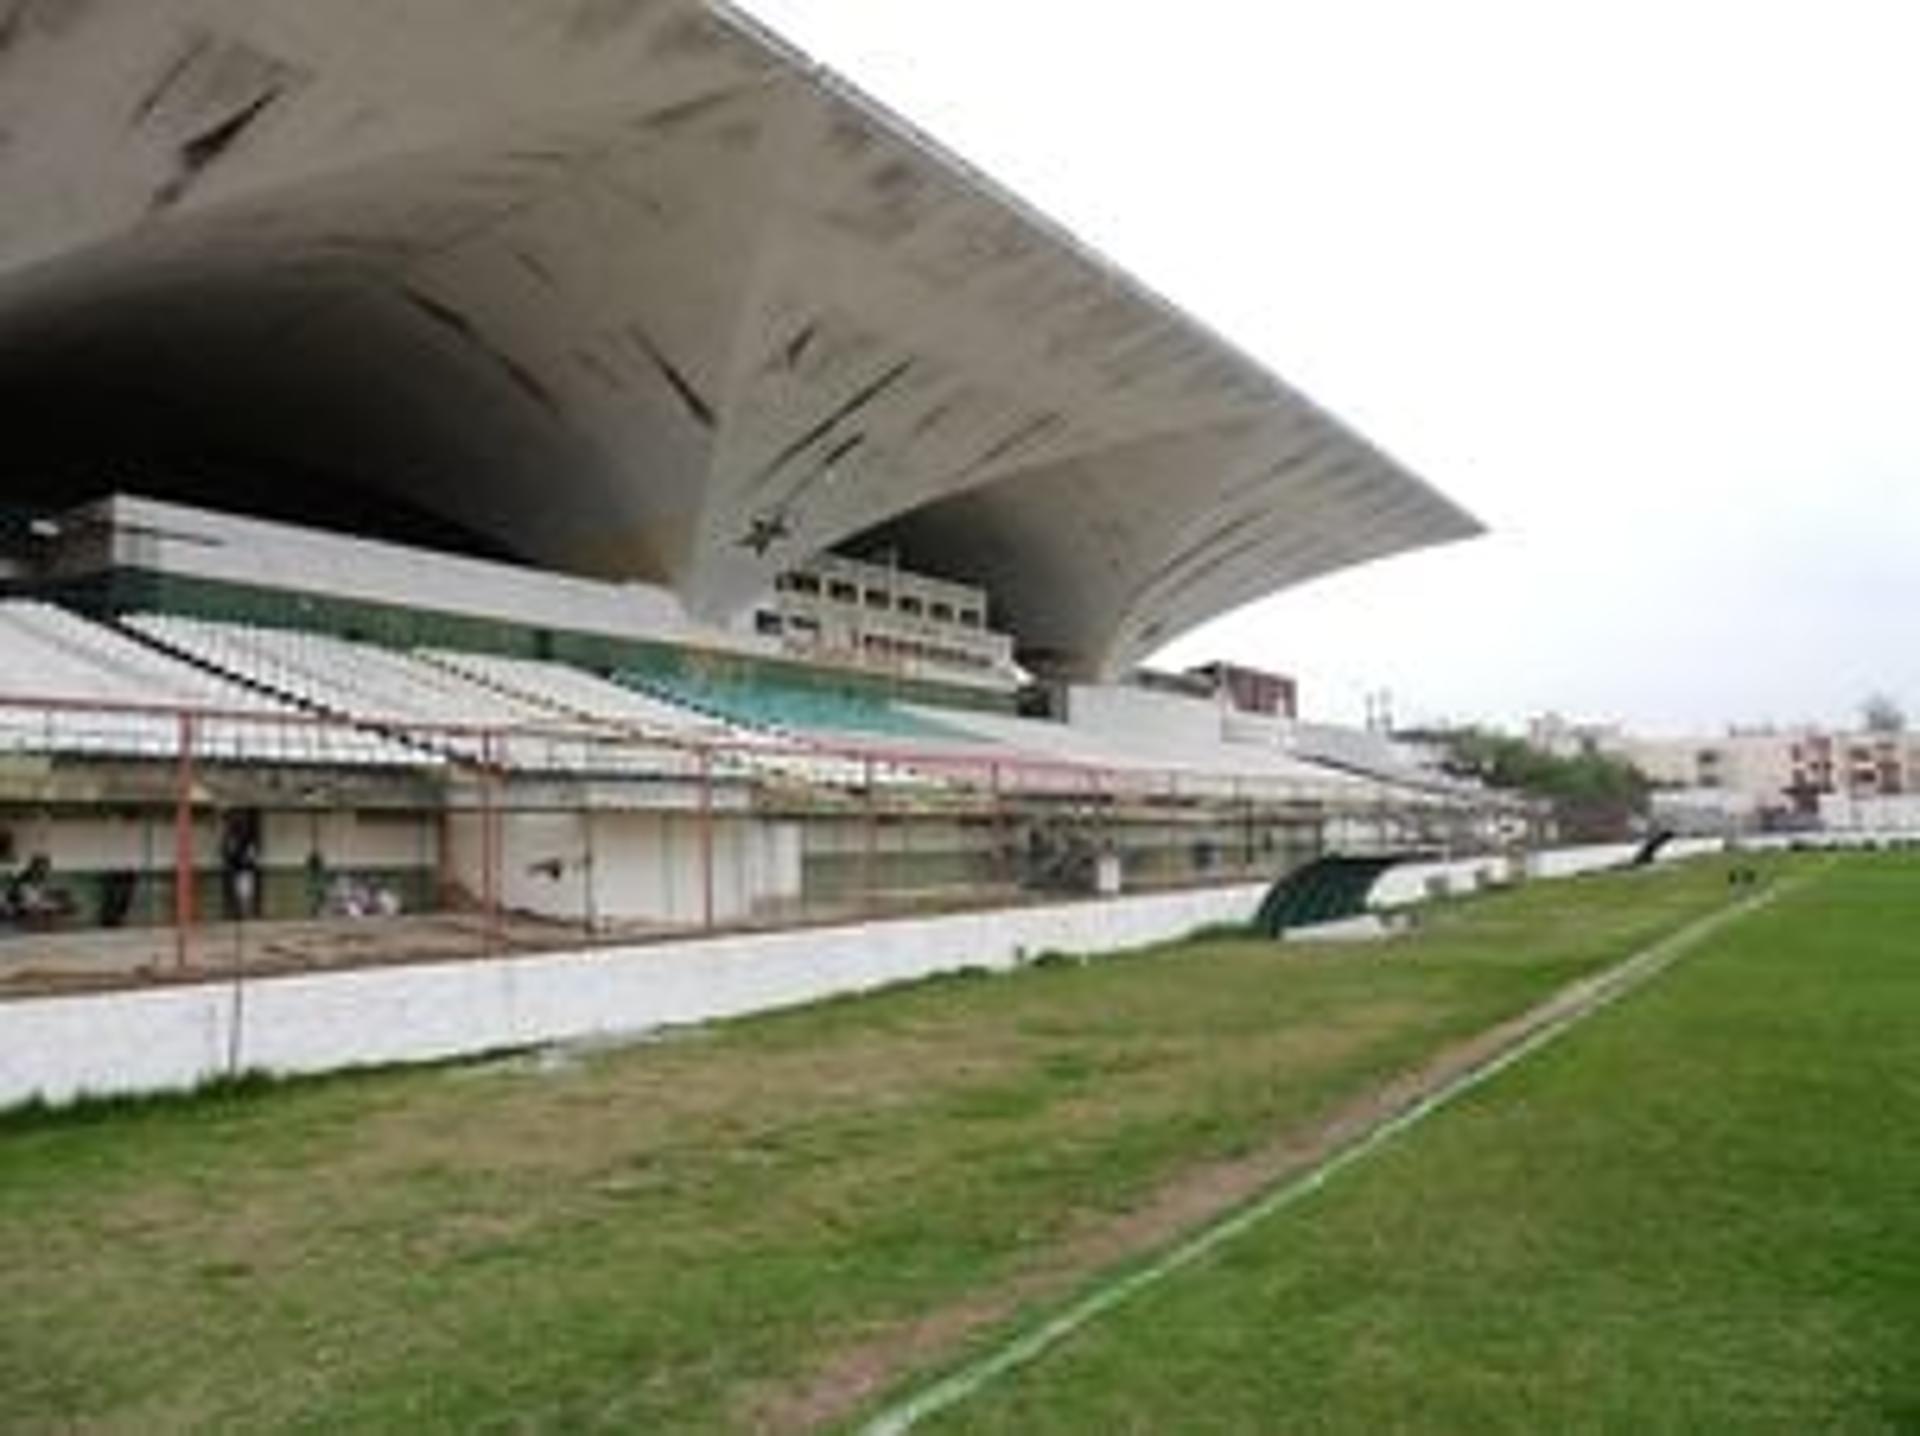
(1593,795)
(1882,713)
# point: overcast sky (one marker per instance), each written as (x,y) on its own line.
(1638,283)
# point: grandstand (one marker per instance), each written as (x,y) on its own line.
(643,488)
(247,697)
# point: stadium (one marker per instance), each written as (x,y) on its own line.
(656,490)
(533,529)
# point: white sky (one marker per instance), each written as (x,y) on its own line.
(1638,283)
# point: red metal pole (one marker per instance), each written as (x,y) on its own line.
(1244,800)
(706,837)
(490,845)
(183,874)
(1095,838)
(867,858)
(588,875)
(1002,840)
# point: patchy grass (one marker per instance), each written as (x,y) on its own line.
(671,1236)
(1694,1213)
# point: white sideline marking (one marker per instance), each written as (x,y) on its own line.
(1577,1001)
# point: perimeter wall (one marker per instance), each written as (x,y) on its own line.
(160,1039)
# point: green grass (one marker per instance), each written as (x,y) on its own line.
(667,1236)
(1700,1211)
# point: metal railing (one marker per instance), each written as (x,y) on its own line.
(149,843)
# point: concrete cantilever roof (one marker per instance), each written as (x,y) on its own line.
(634,290)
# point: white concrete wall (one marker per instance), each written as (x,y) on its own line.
(1568,862)
(1892,813)
(1680,848)
(1852,838)
(171,1038)
(641,866)
(1408,882)
(649,866)
(174,538)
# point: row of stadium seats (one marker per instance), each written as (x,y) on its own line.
(47,652)
(530,715)
(574,691)
(1372,755)
(795,709)
(1218,770)
(410,708)
(626,710)
(433,706)
(333,674)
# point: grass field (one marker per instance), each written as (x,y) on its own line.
(1699,1211)
(760,1224)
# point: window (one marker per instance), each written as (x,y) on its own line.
(942,612)
(910,604)
(766,621)
(970,617)
(842,591)
(801,623)
(877,598)
(801,583)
